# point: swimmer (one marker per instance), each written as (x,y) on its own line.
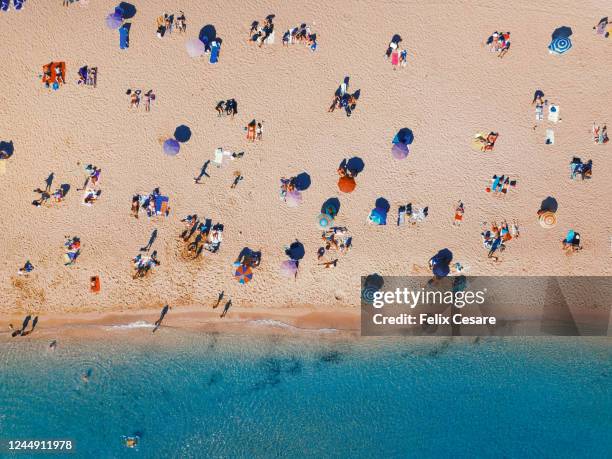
(53,345)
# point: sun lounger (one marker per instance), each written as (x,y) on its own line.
(553,113)
(539,113)
(124,36)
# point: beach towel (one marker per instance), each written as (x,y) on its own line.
(553,113)
(539,112)
(570,236)
(218,160)
(161,204)
(124,36)
(251,132)
(550,136)
(395,58)
(214,52)
(94,284)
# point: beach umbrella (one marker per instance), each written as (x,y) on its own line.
(293,198)
(378,216)
(346,184)
(195,47)
(548,219)
(399,151)
(243,274)
(114,21)
(289,268)
(560,45)
(171,147)
(440,270)
(325,221)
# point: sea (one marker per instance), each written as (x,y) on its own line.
(220,395)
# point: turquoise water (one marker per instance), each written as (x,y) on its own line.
(223,396)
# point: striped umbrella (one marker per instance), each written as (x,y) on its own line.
(548,219)
(243,274)
(560,45)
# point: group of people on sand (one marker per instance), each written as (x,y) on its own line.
(579,168)
(262,33)
(603,27)
(166,23)
(92,178)
(500,184)
(499,42)
(496,236)
(227,107)
(23,331)
(600,134)
(144,263)
(572,242)
(411,214)
(301,34)
(45,194)
(336,238)
(207,236)
(343,99)
(254,130)
(73,250)
(399,57)
(88,76)
(486,142)
(136,96)
(154,204)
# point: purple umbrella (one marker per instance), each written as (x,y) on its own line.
(293,198)
(288,268)
(195,48)
(399,151)
(114,21)
(171,147)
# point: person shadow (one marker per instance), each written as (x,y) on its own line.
(152,239)
(49,181)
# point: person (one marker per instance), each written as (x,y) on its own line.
(181,23)
(134,98)
(135,205)
(459,211)
(259,131)
(149,96)
(220,108)
(403,58)
(27,268)
(237,179)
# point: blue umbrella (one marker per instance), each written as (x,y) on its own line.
(114,21)
(171,147)
(378,216)
(560,45)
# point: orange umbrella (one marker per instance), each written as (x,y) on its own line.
(346,184)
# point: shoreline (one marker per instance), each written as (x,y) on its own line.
(251,321)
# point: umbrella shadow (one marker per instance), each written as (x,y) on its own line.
(6,149)
(296,251)
(562,32)
(182,133)
(382,203)
(65,187)
(405,136)
(302,181)
(331,207)
(355,165)
(129,10)
(549,205)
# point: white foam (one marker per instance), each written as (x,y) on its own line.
(137,324)
(279,324)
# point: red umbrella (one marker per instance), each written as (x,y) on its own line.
(346,184)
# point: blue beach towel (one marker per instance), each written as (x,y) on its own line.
(124,36)
(214,52)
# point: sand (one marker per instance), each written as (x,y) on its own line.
(452,88)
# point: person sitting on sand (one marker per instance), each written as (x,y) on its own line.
(26,269)
(572,242)
(134,97)
(459,211)
(220,108)
(135,205)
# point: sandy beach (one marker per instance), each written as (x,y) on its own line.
(451,88)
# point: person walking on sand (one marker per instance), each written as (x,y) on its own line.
(158,322)
(226,308)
